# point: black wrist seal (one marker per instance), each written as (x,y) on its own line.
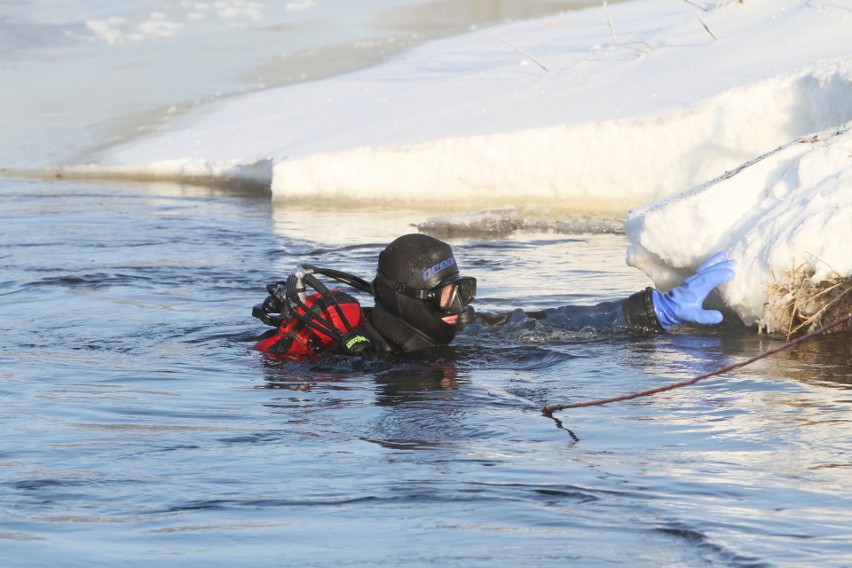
(639,312)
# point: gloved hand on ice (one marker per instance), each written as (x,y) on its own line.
(684,303)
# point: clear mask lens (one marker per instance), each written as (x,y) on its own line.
(463,289)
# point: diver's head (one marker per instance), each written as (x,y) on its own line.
(418,281)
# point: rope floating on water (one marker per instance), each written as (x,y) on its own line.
(551,408)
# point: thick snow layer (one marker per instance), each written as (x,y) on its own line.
(787,211)
(477,118)
(606,108)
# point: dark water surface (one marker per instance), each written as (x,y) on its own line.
(138,428)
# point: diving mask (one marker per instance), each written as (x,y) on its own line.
(461,290)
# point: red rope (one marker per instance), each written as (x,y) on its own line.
(551,408)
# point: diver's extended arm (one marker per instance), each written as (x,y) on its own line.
(648,310)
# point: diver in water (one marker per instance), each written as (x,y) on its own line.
(422,302)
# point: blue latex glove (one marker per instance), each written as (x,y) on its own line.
(683,304)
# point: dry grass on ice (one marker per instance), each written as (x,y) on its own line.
(797,304)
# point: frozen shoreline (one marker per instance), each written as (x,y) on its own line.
(470,117)
(604,108)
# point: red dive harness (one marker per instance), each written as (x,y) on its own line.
(306,324)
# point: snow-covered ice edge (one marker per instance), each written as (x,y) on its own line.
(611,124)
(785,216)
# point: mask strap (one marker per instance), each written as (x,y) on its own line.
(401,288)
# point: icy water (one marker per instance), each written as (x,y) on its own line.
(138,427)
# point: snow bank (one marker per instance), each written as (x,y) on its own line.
(601,109)
(785,214)
(477,119)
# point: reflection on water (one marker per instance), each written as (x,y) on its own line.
(138,426)
(403,383)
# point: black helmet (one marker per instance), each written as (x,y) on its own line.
(418,281)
